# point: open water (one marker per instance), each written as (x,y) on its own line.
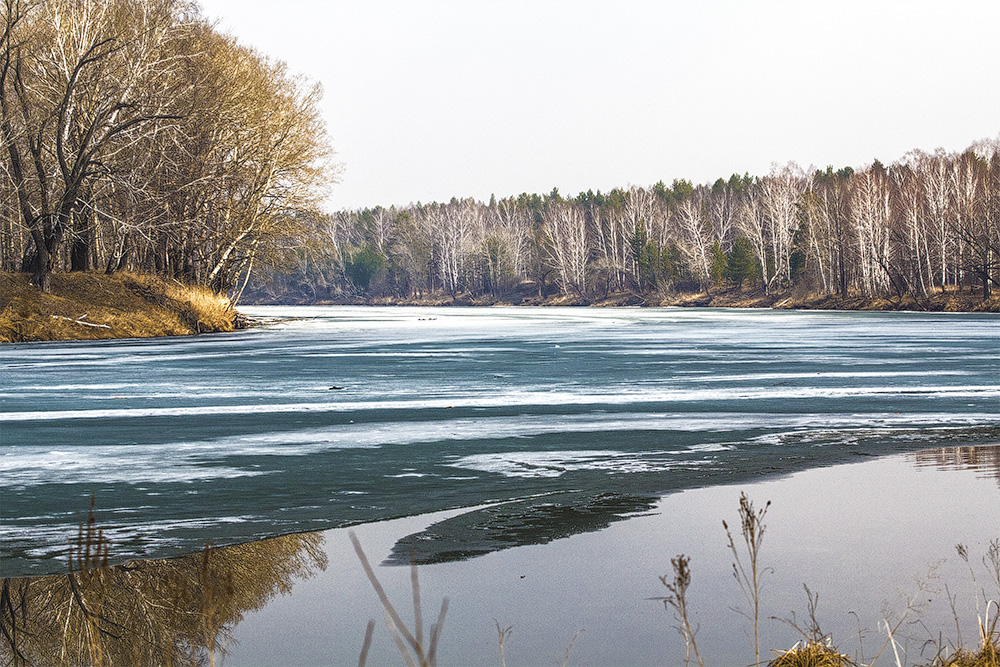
(576,417)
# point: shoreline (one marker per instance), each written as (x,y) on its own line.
(729,298)
(95,306)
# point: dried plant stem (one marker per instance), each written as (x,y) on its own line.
(502,635)
(678,600)
(406,641)
(570,648)
(369,633)
(748,575)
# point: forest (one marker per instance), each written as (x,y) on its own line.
(928,223)
(137,137)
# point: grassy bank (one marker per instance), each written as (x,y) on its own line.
(92,306)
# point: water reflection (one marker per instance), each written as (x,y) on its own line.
(179,611)
(984,459)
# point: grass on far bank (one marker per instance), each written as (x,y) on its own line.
(92,306)
(526,294)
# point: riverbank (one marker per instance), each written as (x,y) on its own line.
(949,301)
(94,306)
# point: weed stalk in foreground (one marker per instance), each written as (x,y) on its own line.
(749,574)
(678,600)
(411,644)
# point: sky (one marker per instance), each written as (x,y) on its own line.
(426,100)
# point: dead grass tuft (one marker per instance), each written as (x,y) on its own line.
(811,654)
(987,656)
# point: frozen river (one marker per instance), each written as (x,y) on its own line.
(349,415)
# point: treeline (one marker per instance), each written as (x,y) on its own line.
(927,223)
(135,136)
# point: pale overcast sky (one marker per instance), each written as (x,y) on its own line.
(430,99)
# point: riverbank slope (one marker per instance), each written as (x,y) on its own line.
(92,306)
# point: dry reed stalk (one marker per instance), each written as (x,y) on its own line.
(367,644)
(749,575)
(570,648)
(406,641)
(503,634)
(678,600)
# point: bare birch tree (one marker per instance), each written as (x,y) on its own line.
(568,248)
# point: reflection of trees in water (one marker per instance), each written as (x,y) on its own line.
(985,458)
(178,611)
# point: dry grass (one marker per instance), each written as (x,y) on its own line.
(92,306)
(181,611)
(987,656)
(817,649)
(678,587)
(748,573)
(811,654)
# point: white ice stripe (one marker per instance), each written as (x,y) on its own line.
(619,396)
(832,436)
(28,466)
(740,377)
(21,463)
(556,464)
(92,387)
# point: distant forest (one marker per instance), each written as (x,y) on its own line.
(137,137)
(927,223)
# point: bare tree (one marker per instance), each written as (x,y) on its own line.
(80,84)
(870,215)
(568,248)
(971,219)
(781,194)
(696,233)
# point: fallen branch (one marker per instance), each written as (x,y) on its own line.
(81,322)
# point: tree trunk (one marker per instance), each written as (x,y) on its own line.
(83,240)
(41,276)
